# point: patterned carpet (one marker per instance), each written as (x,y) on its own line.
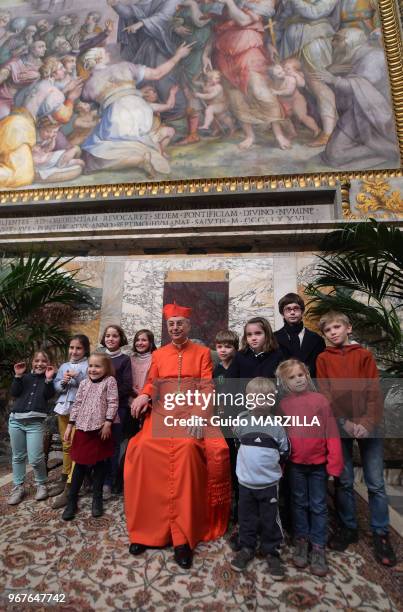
(88,561)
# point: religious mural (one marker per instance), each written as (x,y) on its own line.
(110,91)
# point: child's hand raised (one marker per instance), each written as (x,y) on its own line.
(20,368)
(50,372)
(106,430)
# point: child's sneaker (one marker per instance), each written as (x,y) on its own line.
(240,562)
(383,550)
(41,492)
(17,495)
(318,565)
(70,510)
(58,486)
(342,539)
(276,567)
(300,556)
(61,500)
(234,542)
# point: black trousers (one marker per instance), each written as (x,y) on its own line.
(79,473)
(258,512)
(233,446)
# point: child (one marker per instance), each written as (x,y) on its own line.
(93,412)
(84,123)
(113,339)
(262,447)
(295,340)
(143,347)
(26,424)
(227,343)
(259,356)
(217,104)
(51,164)
(287,80)
(348,376)
(315,454)
(67,381)
(160,134)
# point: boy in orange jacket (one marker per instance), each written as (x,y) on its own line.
(348,376)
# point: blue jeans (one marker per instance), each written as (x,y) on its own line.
(308,502)
(26,437)
(371,451)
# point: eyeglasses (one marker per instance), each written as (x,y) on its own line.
(292,309)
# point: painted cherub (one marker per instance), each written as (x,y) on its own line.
(217,104)
(160,134)
(287,78)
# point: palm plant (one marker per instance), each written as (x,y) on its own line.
(36,296)
(361,274)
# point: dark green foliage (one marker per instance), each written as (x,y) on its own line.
(362,265)
(37,298)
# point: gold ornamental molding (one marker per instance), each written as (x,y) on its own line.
(392,42)
(194,187)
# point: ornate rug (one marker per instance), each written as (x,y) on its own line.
(87,560)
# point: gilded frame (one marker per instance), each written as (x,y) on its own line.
(393,47)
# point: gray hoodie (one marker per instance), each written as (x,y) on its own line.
(261,450)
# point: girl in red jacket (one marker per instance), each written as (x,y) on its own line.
(315,454)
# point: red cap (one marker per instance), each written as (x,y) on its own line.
(173,310)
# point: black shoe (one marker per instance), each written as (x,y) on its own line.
(117,489)
(137,549)
(234,542)
(343,538)
(183,556)
(70,510)
(383,550)
(276,567)
(240,562)
(97,506)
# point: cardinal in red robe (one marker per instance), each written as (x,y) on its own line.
(177,480)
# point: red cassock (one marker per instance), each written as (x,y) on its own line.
(176,489)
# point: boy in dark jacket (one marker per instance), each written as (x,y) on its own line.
(295,340)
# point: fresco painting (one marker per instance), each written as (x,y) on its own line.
(109,91)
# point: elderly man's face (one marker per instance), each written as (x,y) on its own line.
(38,48)
(178,329)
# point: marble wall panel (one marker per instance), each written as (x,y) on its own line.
(91,271)
(250,280)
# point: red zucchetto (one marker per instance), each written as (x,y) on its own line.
(174,310)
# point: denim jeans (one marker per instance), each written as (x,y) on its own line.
(371,451)
(309,502)
(26,437)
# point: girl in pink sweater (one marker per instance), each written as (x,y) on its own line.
(92,414)
(143,347)
(316,453)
